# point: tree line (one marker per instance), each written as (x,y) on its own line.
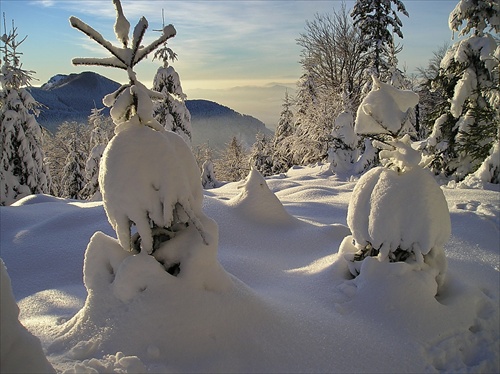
(456,124)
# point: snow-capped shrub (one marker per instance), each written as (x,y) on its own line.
(397,212)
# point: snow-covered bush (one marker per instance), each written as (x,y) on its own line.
(397,212)
(164,192)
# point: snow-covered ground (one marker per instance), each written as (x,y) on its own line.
(283,300)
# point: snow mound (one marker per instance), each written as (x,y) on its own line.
(37,199)
(257,202)
(20,351)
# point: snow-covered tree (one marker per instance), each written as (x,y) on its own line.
(261,154)
(148,176)
(73,174)
(208,178)
(343,152)
(282,155)
(397,212)
(467,128)
(171,112)
(378,21)
(59,145)
(313,124)
(22,169)
(232,165)
(99,137)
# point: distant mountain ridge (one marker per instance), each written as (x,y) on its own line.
(71,98)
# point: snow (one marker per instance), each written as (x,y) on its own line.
(20,352)
(148,184)
(384,109)
(280,298)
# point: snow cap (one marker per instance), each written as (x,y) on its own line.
(384,109)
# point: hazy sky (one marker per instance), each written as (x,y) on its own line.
(220,44)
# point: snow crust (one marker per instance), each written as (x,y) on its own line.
(284,301)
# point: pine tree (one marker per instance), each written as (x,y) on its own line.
(378,21)
(171,112)
(261,154)
(282,156)
(467,127)
(22,169)
(73,179)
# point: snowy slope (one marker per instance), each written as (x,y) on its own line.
(292,306)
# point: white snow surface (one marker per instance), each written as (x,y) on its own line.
(269,294)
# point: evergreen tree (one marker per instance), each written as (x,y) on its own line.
(171,112)
(22,169)
(59,146)
(261,154)
(282,155)
(467,127)
(73,179)
(208,179)
(378,21)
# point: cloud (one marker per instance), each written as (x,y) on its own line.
(44,3)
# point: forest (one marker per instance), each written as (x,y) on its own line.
(455,124)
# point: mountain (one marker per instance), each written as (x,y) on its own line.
(71,97)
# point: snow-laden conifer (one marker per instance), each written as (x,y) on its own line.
(171,112)
(261,154)
(467,127)
(378,21)
(148,176)
(22,169)
(73,174)
(283,137)
(397,212)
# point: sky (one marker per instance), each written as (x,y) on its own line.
(234,52)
